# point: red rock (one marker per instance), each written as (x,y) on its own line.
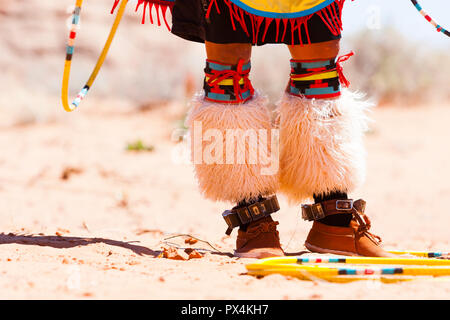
(173,254)
(194,254)
(190,241)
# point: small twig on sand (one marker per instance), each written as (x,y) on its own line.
(191,236)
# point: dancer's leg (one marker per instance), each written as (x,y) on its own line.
(226,124)
(322,152)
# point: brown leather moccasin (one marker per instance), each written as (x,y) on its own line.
(354,240)
(260,240)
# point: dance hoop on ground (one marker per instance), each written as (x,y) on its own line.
(347,269)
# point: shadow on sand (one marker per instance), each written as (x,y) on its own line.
(60,242)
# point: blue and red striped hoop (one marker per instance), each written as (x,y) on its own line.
(438,27)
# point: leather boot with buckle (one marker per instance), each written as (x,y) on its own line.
(354,240)
(260,240)
(258,236)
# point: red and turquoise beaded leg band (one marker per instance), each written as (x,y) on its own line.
(318,79)
(227,83)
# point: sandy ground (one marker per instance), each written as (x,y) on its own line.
(81,217)
(97,233)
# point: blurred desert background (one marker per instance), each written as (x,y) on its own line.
(89,199)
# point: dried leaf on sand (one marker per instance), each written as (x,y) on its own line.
(69,171)
(178,254)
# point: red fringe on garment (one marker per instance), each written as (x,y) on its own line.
(161,7)
(330,16)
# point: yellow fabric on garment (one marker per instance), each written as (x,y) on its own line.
(228,82)
(282,6)
(325,75)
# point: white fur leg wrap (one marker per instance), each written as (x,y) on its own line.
(321,145)
(239,173)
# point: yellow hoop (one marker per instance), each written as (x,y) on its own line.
(70,49)
(346,269)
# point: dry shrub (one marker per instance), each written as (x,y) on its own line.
(394,69)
